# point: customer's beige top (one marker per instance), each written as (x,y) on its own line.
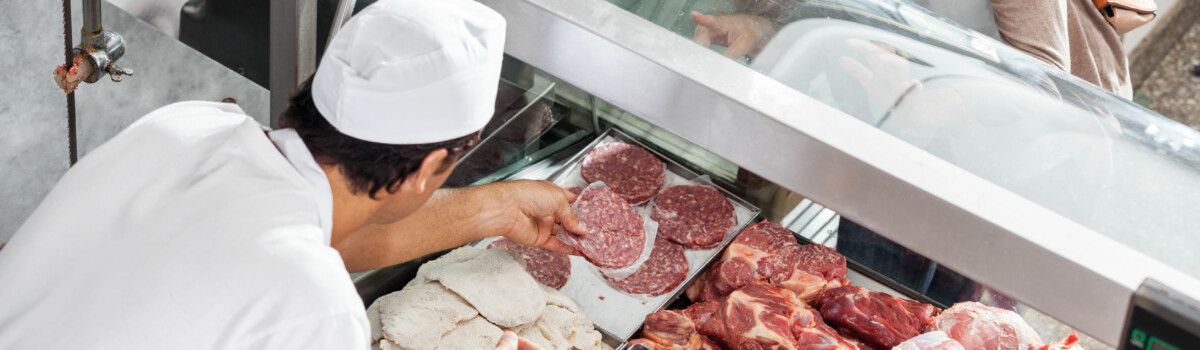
(1069,34)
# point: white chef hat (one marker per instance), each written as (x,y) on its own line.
(412,71)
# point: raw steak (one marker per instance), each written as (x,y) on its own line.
(762,316)
(550,268)
(672,329)
(616,233)
(936,340)
(878,319)
(661,273)
(697,217)
(1071,343)
(978,327)
(768,252)
(631,171)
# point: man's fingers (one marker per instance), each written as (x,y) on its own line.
(702,36)
(704,20)
(571,196)
(740,47)
(708,29)
(545,229)
(557,246)
(508,341)
(527,345)
(565,216)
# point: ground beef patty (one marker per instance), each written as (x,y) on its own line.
(616,233)
(661,273)
(550,268)
(697,217)
(631,171)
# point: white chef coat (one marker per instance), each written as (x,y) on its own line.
(188,230)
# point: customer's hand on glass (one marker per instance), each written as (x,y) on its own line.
(741,35)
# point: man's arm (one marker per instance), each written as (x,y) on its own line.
(1036,27)
(525,212)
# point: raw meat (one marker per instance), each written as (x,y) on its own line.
(476,333)
(1071,343)
(443,311)
(419,316)
(880,320)
(477,281)
(703,311)
(673,329)
(697,217)
(561,328)
(575,189)
(766,316)
(768,252)
(616,233)
(631,171)
(550,268)
(661,273)
(936,340)
(980,327)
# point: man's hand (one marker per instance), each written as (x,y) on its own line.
(510,341)
(533,210)
(741,35)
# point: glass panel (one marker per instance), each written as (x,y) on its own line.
(876,263)
(963,96)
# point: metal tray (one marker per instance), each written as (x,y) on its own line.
(618,314)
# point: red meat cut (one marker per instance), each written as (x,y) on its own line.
(878,319)
(762,316)
(935,340)
(672,329)
(978,326)
(550,268)
(661,273)
(631,171)
(616,233)
(769,252)
(697,217)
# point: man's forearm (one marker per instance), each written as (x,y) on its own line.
(451,218)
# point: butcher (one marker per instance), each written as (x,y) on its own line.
(198,228)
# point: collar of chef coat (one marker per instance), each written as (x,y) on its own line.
(293,148)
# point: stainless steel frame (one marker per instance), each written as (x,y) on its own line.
(293,49)
(989,234)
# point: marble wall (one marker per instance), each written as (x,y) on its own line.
(33,112)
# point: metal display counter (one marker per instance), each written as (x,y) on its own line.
(745,126)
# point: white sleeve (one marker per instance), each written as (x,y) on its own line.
(338,331)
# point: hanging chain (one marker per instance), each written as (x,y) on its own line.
(67,47)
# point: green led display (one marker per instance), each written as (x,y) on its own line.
(1158,344)
(1139,336)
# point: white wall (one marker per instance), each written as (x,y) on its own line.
(33,113)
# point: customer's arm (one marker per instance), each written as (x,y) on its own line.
(1037,27)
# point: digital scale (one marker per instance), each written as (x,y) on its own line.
(1161,319)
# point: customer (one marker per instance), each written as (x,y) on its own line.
(1082,37)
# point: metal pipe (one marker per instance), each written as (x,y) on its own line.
(91,17)
(344,10)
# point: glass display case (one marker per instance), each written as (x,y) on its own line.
(945,165)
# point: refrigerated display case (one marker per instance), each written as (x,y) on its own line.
(966,155)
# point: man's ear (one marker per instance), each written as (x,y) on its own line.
(418,181)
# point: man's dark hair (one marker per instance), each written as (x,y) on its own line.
(369,166)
